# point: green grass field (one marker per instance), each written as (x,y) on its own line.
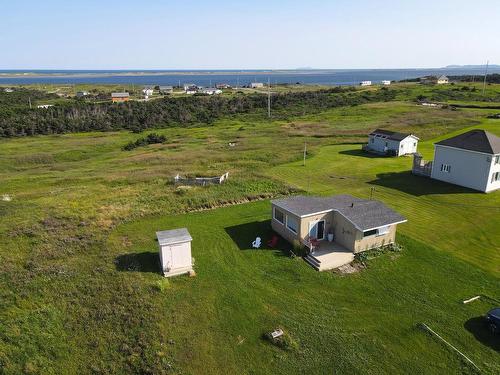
(80,291)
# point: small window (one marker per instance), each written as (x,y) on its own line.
(401,145)
(279,216)
(386,144)
(497,159)
(414,144)
(495,177)
(292,224)
(383,230)
(372,140)
(368,233)
(445,168)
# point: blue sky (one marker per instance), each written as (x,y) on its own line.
(222,34)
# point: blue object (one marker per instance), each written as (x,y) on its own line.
(493,319)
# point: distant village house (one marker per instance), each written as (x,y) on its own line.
(386,82)
(82,94)
(365,83)
(120,97)
(256,85)
(147,92)
(210,91)
(442,80)
(166,90)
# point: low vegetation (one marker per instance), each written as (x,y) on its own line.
(78,116)
(150,139)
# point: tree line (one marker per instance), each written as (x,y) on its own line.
(80,116)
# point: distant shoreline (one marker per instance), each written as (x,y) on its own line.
(56,73)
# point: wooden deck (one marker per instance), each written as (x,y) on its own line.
(328,256)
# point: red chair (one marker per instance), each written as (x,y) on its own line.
(273,241)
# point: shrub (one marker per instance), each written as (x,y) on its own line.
(148,140)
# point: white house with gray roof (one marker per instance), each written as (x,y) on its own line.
(334,228)
(471,159)
(387,142)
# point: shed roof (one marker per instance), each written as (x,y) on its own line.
(474,140)
(395,136)
(363,213)
(169,237)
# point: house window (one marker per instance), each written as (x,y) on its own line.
(383,230)
(372,140)
(495,177)
(279,216)
(445,168)
(386,144)
(497,159)
(368,233)
(414,144)
(292,224)
(401,145)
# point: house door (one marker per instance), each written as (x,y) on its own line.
(317,229)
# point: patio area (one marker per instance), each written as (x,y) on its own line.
(328,256)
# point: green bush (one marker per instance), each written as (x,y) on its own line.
(151,138)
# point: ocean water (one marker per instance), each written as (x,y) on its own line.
(233,77)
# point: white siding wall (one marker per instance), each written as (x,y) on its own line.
(175,256)
(467,168)
(495,168)
(379,144)
(409,146)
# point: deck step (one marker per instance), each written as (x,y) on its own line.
(312,263)
(323,263)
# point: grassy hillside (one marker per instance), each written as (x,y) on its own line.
(79,287)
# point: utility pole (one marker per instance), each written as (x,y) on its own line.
(269,98)
(305,153)
(29,100)
(485,74)
(371,192)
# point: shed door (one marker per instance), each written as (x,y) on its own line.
(180,255)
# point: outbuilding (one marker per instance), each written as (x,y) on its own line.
(175,251)
(387,142)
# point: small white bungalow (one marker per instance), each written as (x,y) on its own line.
(147,92)
(210,91)
(256,85)
(175,251)
(386,82)
(442,80)
(365,83)
(391,143)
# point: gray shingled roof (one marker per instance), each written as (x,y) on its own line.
(363,213)
(168,237)
(395,136)
(474,140)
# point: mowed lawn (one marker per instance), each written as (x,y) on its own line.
(361,323)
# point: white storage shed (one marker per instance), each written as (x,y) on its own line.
(175,251)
